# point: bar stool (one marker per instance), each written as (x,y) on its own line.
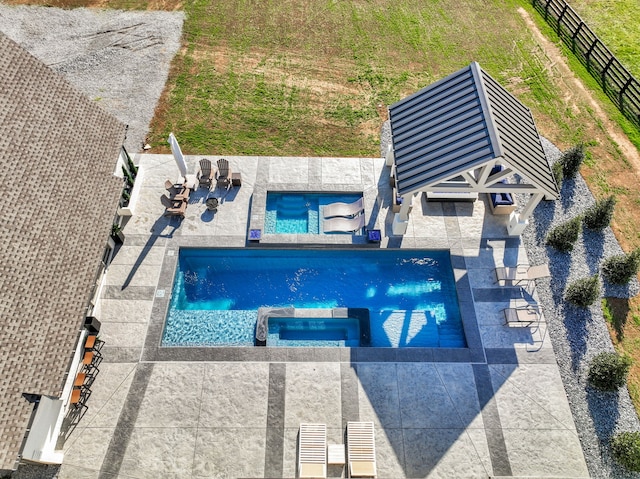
(78,399)
(90,363)
(84,381)
(92,343)
(75,397)
(80,378)
(87,360)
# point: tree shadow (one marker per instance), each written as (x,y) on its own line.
(576,322)
(559,273)
(616,311)
(543,220)
(604,409)
(567,191)
(163,227)
(595,240)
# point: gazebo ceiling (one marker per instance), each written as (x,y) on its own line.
(461,123)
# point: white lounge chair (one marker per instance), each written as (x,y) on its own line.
(361,449)
(347,210)
(520,273)
(312,450)
(343,225)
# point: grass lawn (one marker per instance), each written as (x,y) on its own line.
(315,77)
(617,24)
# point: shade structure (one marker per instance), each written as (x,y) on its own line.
(460,124)
(177,154)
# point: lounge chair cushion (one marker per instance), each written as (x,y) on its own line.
(312,470)
(363,469)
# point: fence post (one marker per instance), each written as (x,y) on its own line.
(622,92)
(564,10)
(604,73)
(588,55)
(575,35)
(546,10)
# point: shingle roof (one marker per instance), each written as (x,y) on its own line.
(58,152)
(459,123)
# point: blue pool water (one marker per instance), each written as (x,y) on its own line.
(299,213)
(410,294)
(313,332)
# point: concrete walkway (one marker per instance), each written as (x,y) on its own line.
(496,408)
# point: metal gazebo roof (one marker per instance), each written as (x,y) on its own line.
(459,124)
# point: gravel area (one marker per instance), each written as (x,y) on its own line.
(119,59)
(579,334)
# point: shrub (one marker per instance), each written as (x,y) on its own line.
(625,448)
(608,371)
(619,269)
(556,169)
(583,292)
(571,161)
(563,236)
(599,216)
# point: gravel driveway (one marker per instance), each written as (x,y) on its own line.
(119,59)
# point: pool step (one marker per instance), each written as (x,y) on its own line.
(418,328)
(292,199)
(451,343)
(292,210)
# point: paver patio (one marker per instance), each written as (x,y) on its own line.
(496,409)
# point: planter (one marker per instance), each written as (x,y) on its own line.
(118,237)
(135,195)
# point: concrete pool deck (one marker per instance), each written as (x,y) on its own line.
(495,409)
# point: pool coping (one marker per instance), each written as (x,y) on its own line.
(153,351)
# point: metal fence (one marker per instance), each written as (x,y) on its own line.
(615,79)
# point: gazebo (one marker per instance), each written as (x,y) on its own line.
(466,134)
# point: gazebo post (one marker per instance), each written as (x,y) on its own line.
(389,157)
(401,219)
(519,221)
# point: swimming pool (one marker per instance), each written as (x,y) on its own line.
(299,213)
(410,294)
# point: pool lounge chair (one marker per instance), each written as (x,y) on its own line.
(526,314)
(312,450)
(521,273)
(205,174)
(361,449)
(343,225)
(347,210)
